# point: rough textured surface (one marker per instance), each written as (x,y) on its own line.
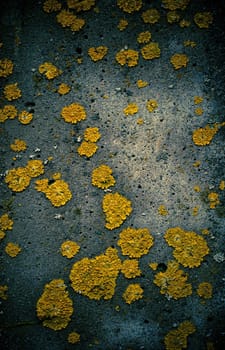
(152,164)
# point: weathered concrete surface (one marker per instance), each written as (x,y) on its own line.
(152,164)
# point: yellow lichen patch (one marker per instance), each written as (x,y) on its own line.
(63,89)
(6,67)
(198,111)
(123,23)
(132,293)
(197,188)
(131,109)
(5,222)
(116,208)
(176,339)
(129,6)
(175,4)
(127,57)
(203,19)
(205,231)
(12,249)
(140,121)
(96,277)
(80,5)
(172,17)
(69,249)
(204,290)
(2,234)
(3,291)
(151,105)
(73,113)
(162,210)
(73,338)
(49,70)
(92,134)
(7,112)
(150,16)
(41,185)
(197,164)
(198,99)
(18,145)
(195,211)
(173,282)
(97,53)
(179,60)
(35,167)
(54,307)
(151,51)
(141,83)
(87,149)
(130,268)
(135,242)
(25,117)
(12,92)
(213,198)
(51,6)
(17,179)
(203,136)
(189,248)
(58,193)
(222,185)
(102,177)
(67,19)
(144,37)
(190,43)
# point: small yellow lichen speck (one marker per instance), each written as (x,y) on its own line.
(151,105)
(12,92)
(87,149)
(7,112)
(176,339)
(123,23)
(5,222)
(6,67)
(92,134)
(12,249)
(189,248)
(162,210)
(184,23)
(151,51)
(173,282)
(199,111)
(127,57)
(135,242)
(51,6)
(130,268)
(96,277)
(131,109)
(153,266)
(69,249)
(25,117)
(97,53)
(116,208)
(197,188)
(190,43)
(203,19)
(179,60)
(18,145)
(144,37)
(141,83)
(63,89)
(213,198)
(129,6)
(222,185)
(132,293)
(102,177)
(195,211)
(3,291)
(175,4)
(73,338)
(151,16)
(204,290)
(172,17)
(54,307)
(73,113)
(198,99)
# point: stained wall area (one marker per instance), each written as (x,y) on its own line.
(112,175)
